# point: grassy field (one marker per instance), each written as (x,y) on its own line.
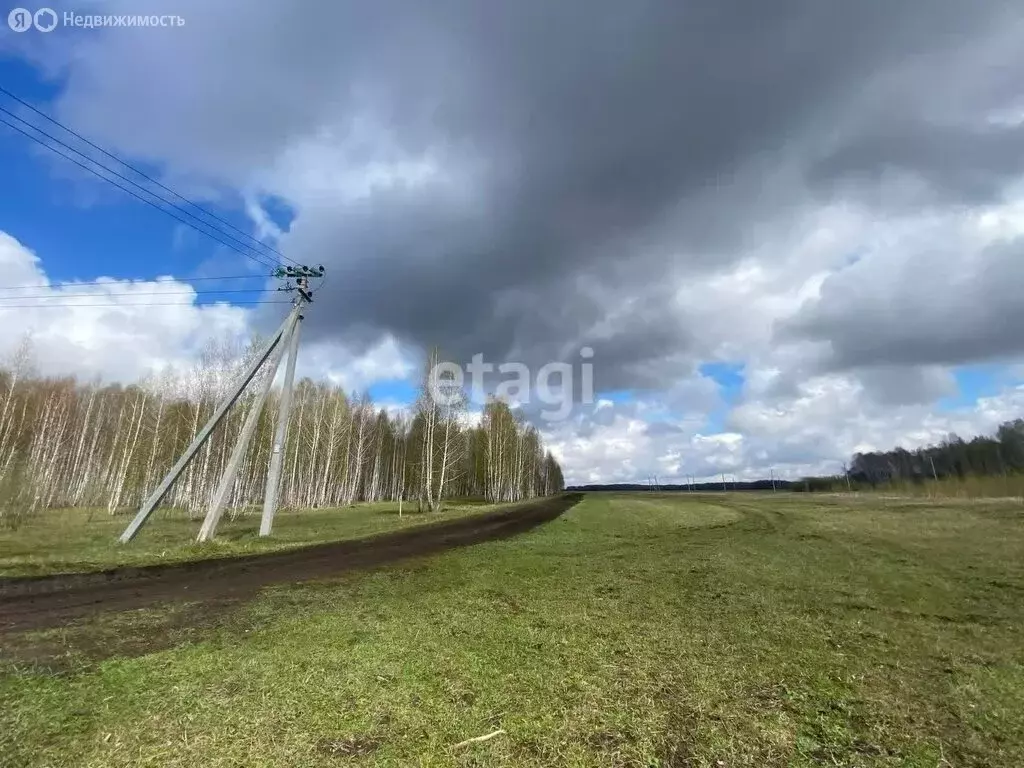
(639,630)
(1007,487)
(77,540)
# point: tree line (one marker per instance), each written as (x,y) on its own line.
(69,443)
(714,486)
(954,464)
(983,456)
(951,462)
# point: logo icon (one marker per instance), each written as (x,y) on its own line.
(45,19)
(22,20)
(19,19)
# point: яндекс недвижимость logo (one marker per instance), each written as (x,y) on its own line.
(46,20)
(22,19)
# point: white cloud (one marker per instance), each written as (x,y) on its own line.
(135,333)
(383,361)
(795,416)
(814,433)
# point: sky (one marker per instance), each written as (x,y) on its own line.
(787,231)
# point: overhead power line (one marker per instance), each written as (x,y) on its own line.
(121,281)
(137,196)
(64,295)
(63,305)
(270,251)
(244,250)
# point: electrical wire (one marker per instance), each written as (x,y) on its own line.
(135,304)
(122,281)
(249,252)
(150,203)
(133,293)
(273,252)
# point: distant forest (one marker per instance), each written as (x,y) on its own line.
(954,459)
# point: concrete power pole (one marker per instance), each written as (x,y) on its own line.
(280,438)
(287,333)
(227,482)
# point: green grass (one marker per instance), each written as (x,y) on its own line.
(77,540)
(640,631)
(970,487)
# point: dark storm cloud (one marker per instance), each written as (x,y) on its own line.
(895,386)
(958,164)
(601,150)
(624,141)
(939,307)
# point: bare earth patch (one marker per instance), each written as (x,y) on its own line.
(48,601)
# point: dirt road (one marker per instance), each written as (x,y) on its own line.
(35,603)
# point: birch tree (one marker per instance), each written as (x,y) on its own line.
(66,443)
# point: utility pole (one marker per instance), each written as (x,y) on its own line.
(220,498)
(287,333)
(157,496)
(280,439)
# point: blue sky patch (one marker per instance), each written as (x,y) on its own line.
(393,390)
(975,382)
(616,396)
(85,227)
(730,380)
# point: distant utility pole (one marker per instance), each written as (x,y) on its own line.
(287,334)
